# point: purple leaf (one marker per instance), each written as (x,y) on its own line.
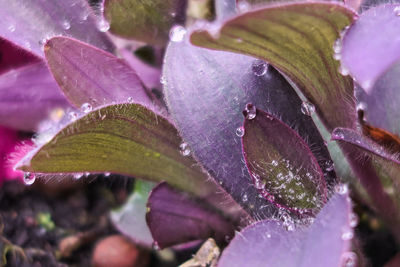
(325,243)
(282,165)
(27,96)
(380,107)
(214,88)
(89,75)
(29,24)
(12,56)
(149,75)
(369,47)
(174,217)
(130,219)
(353,137)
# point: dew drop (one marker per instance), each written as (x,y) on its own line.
(396,10)
(72,116)
(106,174)
(163,80)
(259,67)
(274,163)
(11,28)
(337,46)
(177,33)
(78,176)
(245,198)
(353,220)
(240,131)
(347,234)
(343,70)
(103,25)
(66,25)
(338,134)
(349,259)
(259,184)
(250,111)
(29,178)
(155,245)
(130,100)
(184,149)
(268,235)
(329,165)
(341,189)
(243,6)
(307,108)
(86,107)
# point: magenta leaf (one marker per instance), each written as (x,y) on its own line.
(27,96)
(87,74)
(369,47)
(214,87)
(325,243)
(174,218)
(12,56)
(281,164)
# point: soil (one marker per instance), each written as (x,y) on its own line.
(35,220)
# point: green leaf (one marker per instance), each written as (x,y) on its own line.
(297,39)
(148,21)
(127,139)
(130,219)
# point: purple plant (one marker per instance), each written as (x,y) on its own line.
(246,122)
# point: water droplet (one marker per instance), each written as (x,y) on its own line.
(244,198)
(86,107)
(78,176)
(72,116)
(349,259)
(307,108)
(11,28)
(259,67)
(240,131)
(396,10)
(337,46)
(184,149)
(329,165)
(288,222)
(177,33)
(343,70)
(268,235)
(163,80)
(130,100)
(250,111)
(103,25)
(66,24)
(29,178)
(243,6)
(341,189)
(106,174)
(155,245)
(274,163)
(347,234)
(353,220)
(259,184)
(338,134)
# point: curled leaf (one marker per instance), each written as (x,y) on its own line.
(127,139)
(174,218)
(297,39)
